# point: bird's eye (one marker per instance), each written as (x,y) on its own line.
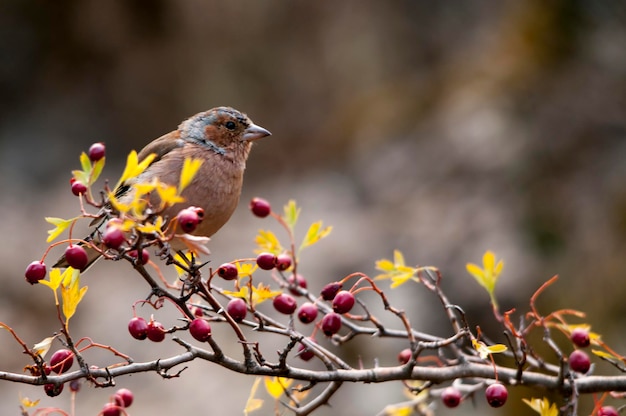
(230,125)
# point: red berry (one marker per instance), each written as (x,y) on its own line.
(96,152)
(607,411)
(111,409)
(579,361)
(283,262)
(145,256)
(343,302)
(260,207)
(200,329)
(307,312)
(61,361)
(156,331)
(138,328)
(53,390)
(113,237)
(331,323)
(295,281)
(189,218)
(330,290)
(237,309)
(76,256)
(404,356)
(496,394)
(451,397)
(123,397)
(227,271)
(78,188)
(266,261)
(305,353)
(285,303)
(580,337)
(35,272)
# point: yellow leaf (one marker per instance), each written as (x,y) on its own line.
(42,347)
(71,294)
(397,271)
(398,410)
(267,241)
(28,403)
(169,195)
(56,277)
(261,293)
(488,275)
(605,355)
(96,171)
(253,403)
(291,214)
(484,351)
(60,226)
(85,163)
(542,406)
(314,234)
(245,269)
(276,386)
(133,167)
(115,203)
(190,168)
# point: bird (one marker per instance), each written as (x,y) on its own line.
(222,138)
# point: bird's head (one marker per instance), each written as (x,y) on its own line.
(221,129)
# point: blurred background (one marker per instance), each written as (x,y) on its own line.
(442,129)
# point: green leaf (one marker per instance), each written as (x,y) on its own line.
(291,214)
(85,163)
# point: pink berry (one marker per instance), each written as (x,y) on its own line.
(76,256)
(156,331)
(113,237)
(307,312)
(608,411)
(237,309)
(227,271)
(331,324)
(579,361)
(404,356)
(145,256)
(580,337)
(138,328)
(35,272)
(123,397)
(78,188)
(283,262)
(285,303)
(111,409)
(496,394)
(200,329)
(53,390)
(330,290)
(343,302)
(451,397)
(75,386)
(61,361)
(266,261)
(260,207)
(189,218)
(96,152)
(296,281)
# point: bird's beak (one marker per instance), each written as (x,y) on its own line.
(254,132)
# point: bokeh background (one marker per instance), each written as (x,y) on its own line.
(442,129)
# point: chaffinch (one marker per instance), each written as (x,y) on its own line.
(222,137)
